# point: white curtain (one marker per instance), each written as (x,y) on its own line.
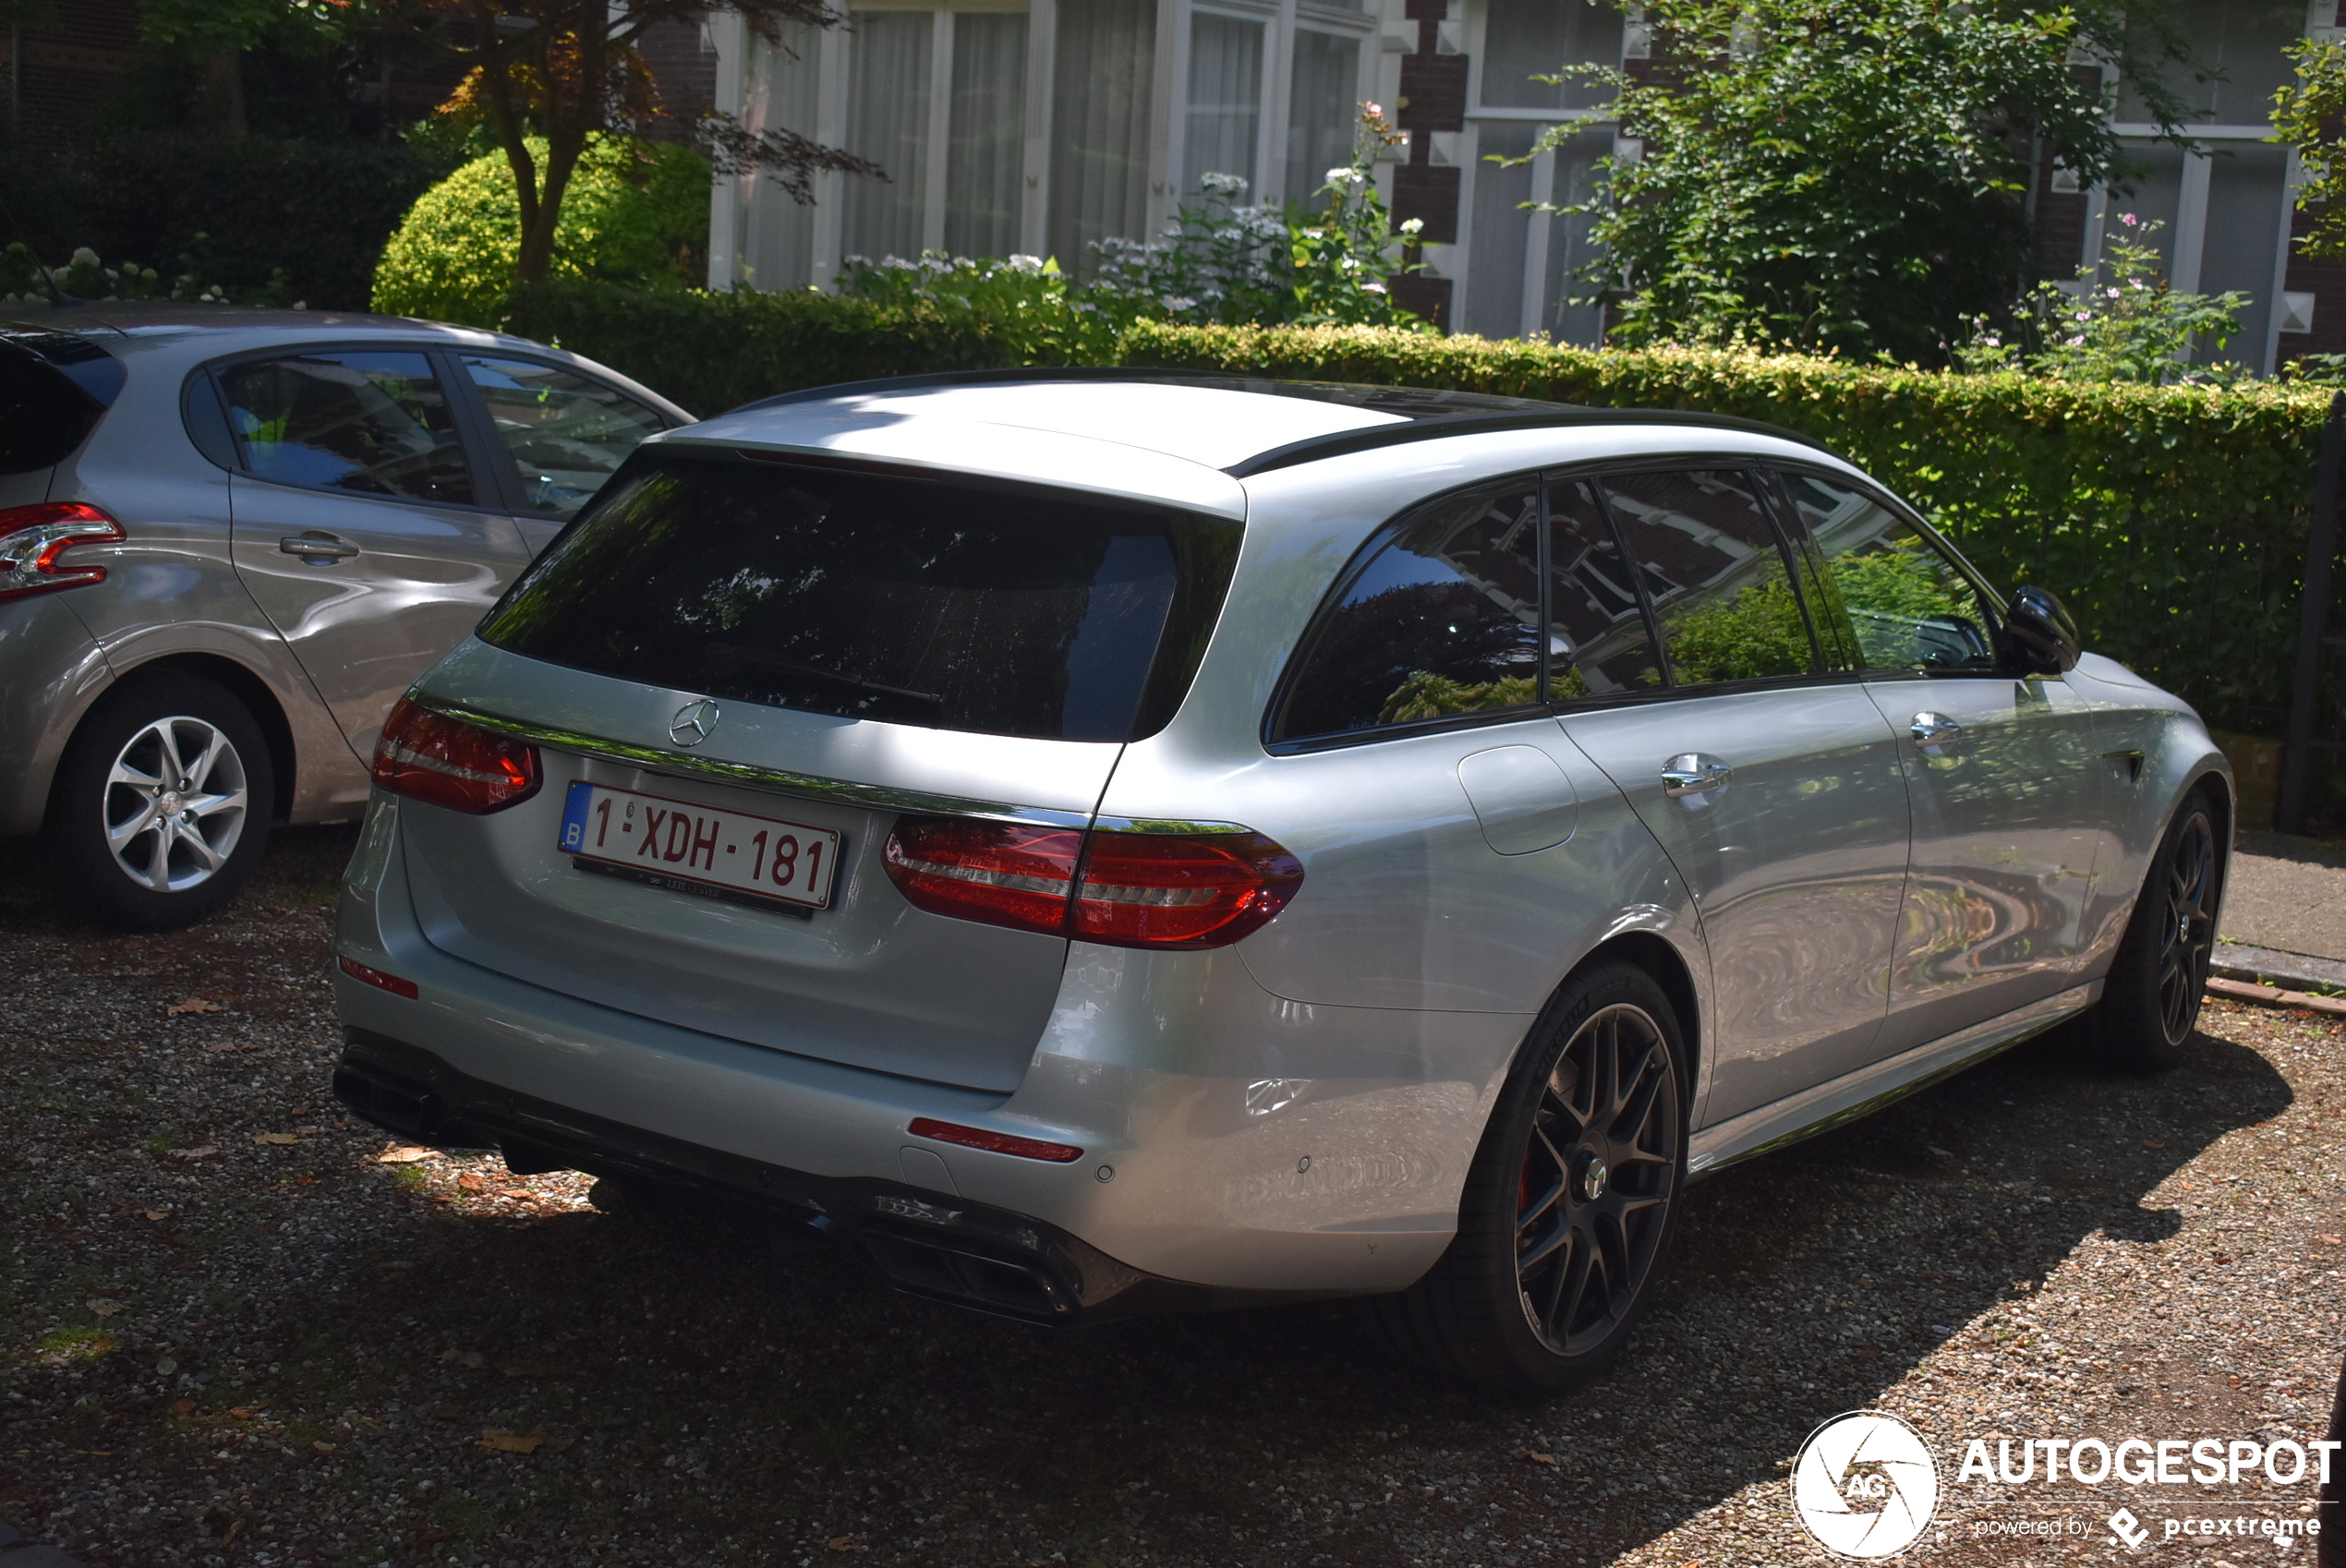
(1100,107)
(1320,111)
(888,97)
(1225,104)
(987,146)
(774,235)
(1523,39)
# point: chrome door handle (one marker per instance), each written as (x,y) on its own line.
(1935,729)
(1691,773)
(317,545)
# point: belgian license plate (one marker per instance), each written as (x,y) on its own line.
(695,848)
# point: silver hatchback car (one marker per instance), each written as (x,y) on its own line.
(1102,843)
(229,539)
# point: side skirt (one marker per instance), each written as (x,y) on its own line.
(1868,1089)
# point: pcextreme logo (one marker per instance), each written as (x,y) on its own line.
(1865,1485)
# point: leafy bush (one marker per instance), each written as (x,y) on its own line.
(256,217)
(635,212)
(2132,328)
(2172,520)
(83,276)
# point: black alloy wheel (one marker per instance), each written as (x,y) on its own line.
(1571,1201)
(1600,1169)
(2150,1002)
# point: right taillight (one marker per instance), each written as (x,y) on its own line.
(430,756)
(1123,889)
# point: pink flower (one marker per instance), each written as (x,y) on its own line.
(2129,220)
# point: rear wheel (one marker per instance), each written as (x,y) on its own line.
(2150,1002)
(160,809)
(1570,1204)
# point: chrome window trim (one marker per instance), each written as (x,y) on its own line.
(799,785)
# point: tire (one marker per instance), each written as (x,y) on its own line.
(1546,1278)
(116,846)
(2150,1001)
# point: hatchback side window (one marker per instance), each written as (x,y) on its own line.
(1720,581)
(1891,595)
(566,434)
(1444,620)
(1599,645)
(376,423)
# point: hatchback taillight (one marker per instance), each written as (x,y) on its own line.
(31,538)
(430,756)
(1124,890)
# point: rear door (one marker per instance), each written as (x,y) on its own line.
(2005,774)
(360,522)
(1774,788)
(553,435)
(766,645)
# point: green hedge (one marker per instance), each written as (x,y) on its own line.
(2170,520)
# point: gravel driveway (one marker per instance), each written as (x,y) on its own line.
(215,1349)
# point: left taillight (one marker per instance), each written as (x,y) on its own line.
(430,756)
(31,538)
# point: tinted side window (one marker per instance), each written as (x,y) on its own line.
(567,434)
(377,423)
(1443,620)
(1722,592)
(44,415)
(1889,593)
(1598,642)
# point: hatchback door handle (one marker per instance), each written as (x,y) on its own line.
(317,545)
(1692,773)
(1935,729)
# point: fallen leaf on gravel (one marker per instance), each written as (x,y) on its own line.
(445,1412)
(463,1358)
(198,1152)
(192,1005)
(277,1138)
(322,1447)
(504,1441)
(1537,1457)
(469,1182)
(559,1444)
(155,1213)
(182,1406)
(2331,1239)
(2150,1145)
(405,1155)
(240,1413)
(103,1308)
(841,1543)
(305,1131)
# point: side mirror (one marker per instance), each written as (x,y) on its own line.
(2040,638)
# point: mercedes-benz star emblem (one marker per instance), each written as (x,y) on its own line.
(693,723)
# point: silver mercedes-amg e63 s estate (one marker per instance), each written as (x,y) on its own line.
(1094,843)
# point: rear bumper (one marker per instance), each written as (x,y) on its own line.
(1235,1147)
(922,1241)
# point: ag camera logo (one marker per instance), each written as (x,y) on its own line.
(1865,1485)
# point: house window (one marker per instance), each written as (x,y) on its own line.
(1322,97)
(1526,38)
(1225,101)
(887,99)
(988,137)
(1106,61)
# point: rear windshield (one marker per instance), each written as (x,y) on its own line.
(870,595)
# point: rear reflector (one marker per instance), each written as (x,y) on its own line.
(994,1142)
(1123,889)
(428,757)
(31,538)
(368,975)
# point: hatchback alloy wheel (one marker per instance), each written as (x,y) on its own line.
(175,802)
(1598,1174)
